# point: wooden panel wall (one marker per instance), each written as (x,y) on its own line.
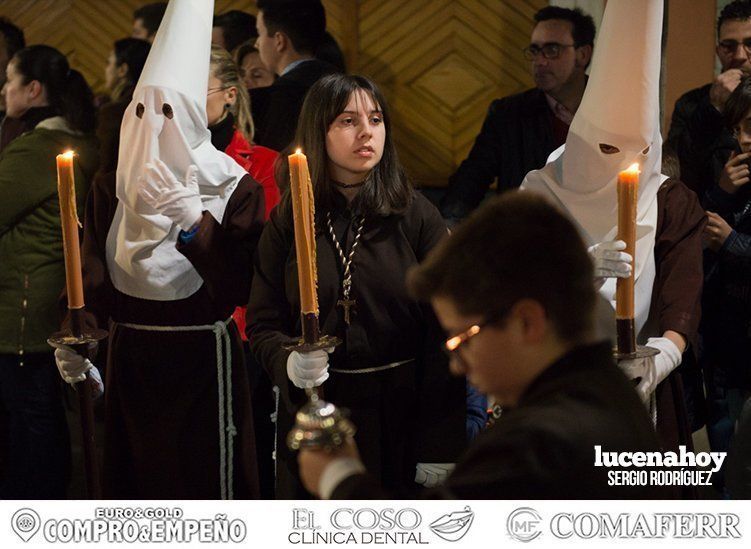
(440,62)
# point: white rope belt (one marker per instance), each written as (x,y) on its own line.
(227,430)
(373,369)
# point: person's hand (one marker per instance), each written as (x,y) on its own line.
(313,463)
(735,174)
(716,231)
(651,371)
(723,86)
(307,370)
(73,367)
(180,202)
(431,475)
(610,261)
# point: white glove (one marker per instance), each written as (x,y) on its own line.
(73,367)
(431,475)
(609,260)
(307,370)
(654,369)
(161,190)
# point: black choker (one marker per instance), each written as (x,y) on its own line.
(344,186)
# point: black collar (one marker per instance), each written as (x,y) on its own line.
(589,356)
(35,115)
(222,132)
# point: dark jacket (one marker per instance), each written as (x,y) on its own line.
(700,139)
(544,448)
(10,128)
(31,247)
(516,137)
(283,100)
(726,324)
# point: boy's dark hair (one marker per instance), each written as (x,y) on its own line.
(387,190)
(330,52)
(516,246)
(738,104)
(66,88)
(303,21)
(583,26)
(13,36)
(133,52)
(237,27)
(738,10)
(151,15)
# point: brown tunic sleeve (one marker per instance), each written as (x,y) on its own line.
(222,253)
(676,296)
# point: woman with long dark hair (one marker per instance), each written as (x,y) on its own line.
(371,228)
(55,103)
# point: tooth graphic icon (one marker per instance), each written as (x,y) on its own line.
(453,526)
(25,523)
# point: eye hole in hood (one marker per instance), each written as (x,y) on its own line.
(139,110)
(609,149)
(167,111)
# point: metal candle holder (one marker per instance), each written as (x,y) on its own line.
(319,425)
(79,340)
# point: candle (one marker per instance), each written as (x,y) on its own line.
(628,192)
(303,210)
(66,189)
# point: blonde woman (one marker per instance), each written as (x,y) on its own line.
(231,124)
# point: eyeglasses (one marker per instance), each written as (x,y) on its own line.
(551,50)
(729,47)
(214,90)
(452,345)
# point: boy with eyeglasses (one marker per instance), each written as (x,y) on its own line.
(521,130)
(512,286)
(726,323)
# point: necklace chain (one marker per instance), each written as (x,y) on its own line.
(346,302)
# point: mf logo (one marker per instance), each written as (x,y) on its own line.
(524,524)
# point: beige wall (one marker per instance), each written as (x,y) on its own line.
(690,54)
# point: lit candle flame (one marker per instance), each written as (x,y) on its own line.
(69,154)
(298,151)
(633,168)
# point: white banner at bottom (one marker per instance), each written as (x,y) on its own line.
(276,524)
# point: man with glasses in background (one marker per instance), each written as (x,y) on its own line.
(697,131)
(521,130)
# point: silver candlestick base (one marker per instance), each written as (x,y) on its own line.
(319,425)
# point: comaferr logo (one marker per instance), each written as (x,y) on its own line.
(453,526)
(645,526)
